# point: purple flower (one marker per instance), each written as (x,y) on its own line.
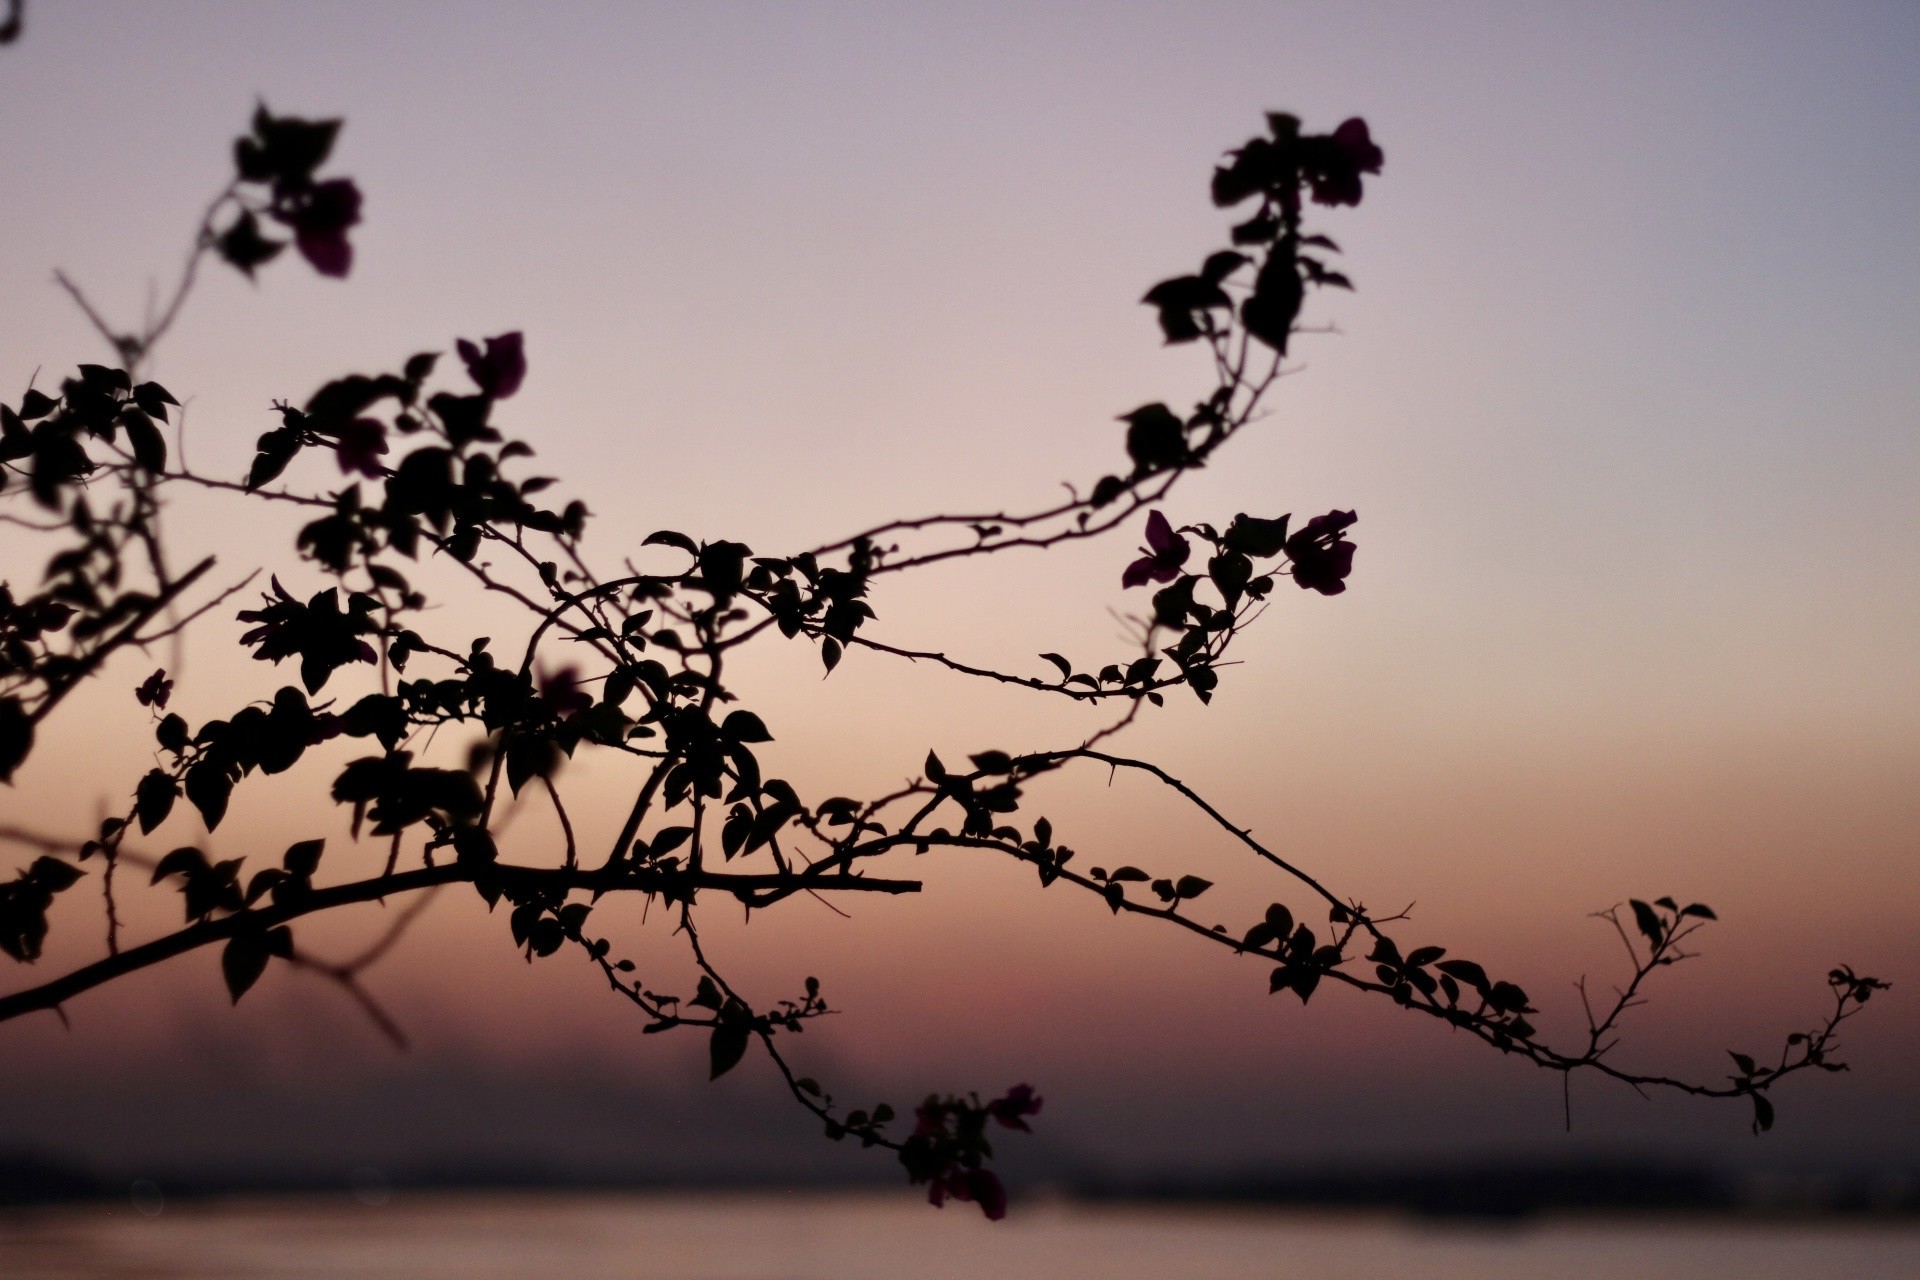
(976,1186)
(499,369)
(320,217)
(1012,1110)
(1162,557)
(1322,557)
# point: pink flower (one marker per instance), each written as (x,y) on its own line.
(1012,1110)
(320,220)
(975,1186)
(1162,557)
(499,370)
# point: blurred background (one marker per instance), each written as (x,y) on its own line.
(1625,400)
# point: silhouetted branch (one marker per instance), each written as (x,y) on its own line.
(634,669)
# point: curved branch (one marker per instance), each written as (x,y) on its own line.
(50,995)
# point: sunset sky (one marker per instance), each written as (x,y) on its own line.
(1626,401)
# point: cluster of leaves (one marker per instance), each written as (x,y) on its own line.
(207,764)
(97,403)
(1422,974)
(86,606)
(1276,170)
(1320,557)
(24,901)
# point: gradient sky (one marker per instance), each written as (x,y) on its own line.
(1626,401)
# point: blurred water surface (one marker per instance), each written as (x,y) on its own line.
(799,1236)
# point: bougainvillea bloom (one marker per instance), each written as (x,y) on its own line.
(320,220)
(1012,1110)
(1161,558)
(499,369)
(1322,557)
(1336,178)
(975,1186)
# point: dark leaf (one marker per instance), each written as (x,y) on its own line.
(1219,266)
(1230,573)
(1255,537)
(302,859)
(1156,437)
(726,1047)
(744,726)
(243,961)
(1648,920)
(1270,311)
(153,799)
(53,875)
(244,247)
(665,841)
(276,449)
(668,537)
(1259,229)
(16,736)
(1466,971)
(182,861)
(149,446)
(36,404)
(264,881)
(1191,887)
